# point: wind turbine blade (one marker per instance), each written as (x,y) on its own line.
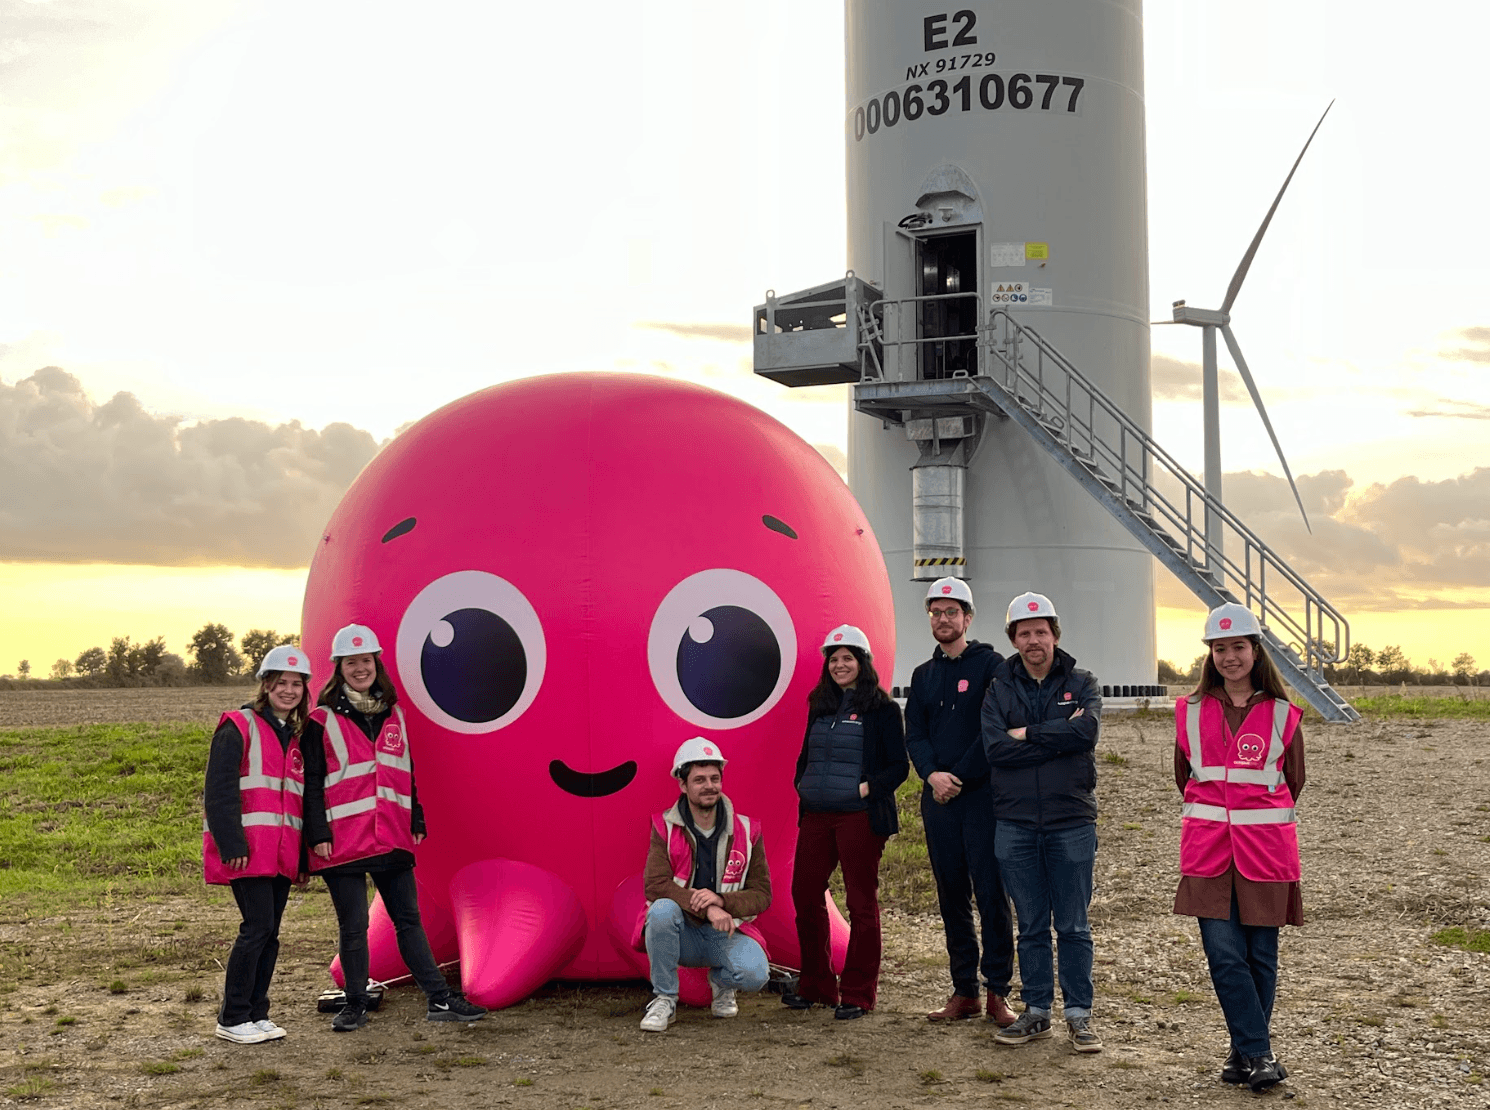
(1241,365)
(1241,271)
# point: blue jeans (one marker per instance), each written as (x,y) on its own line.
(1049,877)
(1244,971)
(673,941)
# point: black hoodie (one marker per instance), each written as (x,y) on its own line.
(942,728)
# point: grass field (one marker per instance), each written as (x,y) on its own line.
(93,808)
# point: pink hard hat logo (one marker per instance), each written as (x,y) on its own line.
(946,589)
(708,750)
(1034,605)
(838,637)
(293,661)
(1225,622)
(356,641)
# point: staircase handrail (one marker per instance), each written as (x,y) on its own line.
(1318,612)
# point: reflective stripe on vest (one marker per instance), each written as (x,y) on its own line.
(1238,816)
(369,789)
(271,783)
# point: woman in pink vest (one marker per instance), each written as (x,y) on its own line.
(251,833)
(1239,761)
(363,818)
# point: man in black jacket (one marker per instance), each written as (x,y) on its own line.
(1040,723)
(943,737)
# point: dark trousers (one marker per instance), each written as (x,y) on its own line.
(959,840)
(1244,971)
(245,990)
(401,900)
(826,841)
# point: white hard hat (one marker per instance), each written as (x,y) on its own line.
(846,635)
(1029,606)
(954,589)
(355,639)
(286,657)
(697,750)
(1230,619)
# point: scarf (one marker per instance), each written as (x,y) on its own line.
(368,704)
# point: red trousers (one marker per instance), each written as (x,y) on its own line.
(826,841)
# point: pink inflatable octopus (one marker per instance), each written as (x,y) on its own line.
(571,575)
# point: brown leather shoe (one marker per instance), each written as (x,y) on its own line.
(958,1008)
(999,1012)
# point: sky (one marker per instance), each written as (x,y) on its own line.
(242,244)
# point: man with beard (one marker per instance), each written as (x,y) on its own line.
(706,875)
(1040,722)
(943,737)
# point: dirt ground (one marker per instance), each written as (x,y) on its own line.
(1371,1012)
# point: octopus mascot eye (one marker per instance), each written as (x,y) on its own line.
(574,574)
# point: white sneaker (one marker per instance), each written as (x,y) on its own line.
(245,1032)
(661,1012)
(271,1031)
(724,1005)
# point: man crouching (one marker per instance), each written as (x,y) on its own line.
(706,875)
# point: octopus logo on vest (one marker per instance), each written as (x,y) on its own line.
(392,741)
(734,867)
(1249,748)
(297,761)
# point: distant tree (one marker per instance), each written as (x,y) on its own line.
(150,655)
(258,643)
(62,668)
(92,662)
(120,667)
(216,658)
(1393,664)
(1193,675)
(1360,659)
(1169,674)
(171,670)
(23,668)
(1464,667)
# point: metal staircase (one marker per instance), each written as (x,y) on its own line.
(1022,377)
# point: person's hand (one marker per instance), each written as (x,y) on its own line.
(418,838)
(237,863)
(700,901)
(1078,713)
(1016,734)
(721,920)
(322,849)
(944,786)
(302,880)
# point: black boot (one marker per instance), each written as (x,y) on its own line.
(1263,1072)
(1235,1068)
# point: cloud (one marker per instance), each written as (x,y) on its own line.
(1479,352)
(1459,410)
(726,333)
(1401,545)
(1173,380)
(87,482)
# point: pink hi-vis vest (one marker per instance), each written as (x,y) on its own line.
(369,789)
(732,864)
(271,781)
(1237,806)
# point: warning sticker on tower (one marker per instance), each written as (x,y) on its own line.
(1006,254)
(1009,292)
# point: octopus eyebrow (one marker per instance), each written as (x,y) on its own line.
(781,526)
(401,528)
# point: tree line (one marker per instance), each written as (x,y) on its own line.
(1365,666)
(215,660)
